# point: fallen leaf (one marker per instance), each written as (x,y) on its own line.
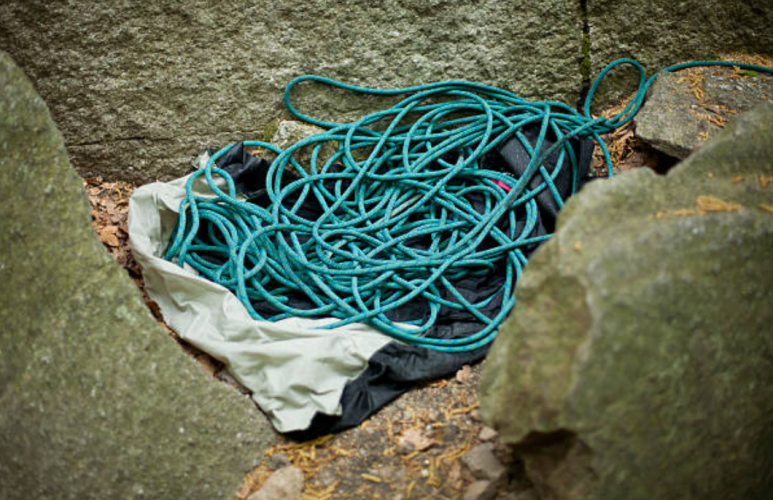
(109,239)
(705,203)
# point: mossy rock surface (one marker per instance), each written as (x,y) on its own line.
(97,400)
(638,361)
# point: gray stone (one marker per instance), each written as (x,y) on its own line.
(483,464)
(677,119)
(528,494)
(637,362)
(659,33)
(97,401)
(139,88)
(487,433)
(284,484)
(480,490)
(276,462)
(289,132)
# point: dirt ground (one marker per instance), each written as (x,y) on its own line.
(413,448)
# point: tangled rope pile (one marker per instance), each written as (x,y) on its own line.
(408,179)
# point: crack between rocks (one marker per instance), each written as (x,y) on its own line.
(123,139)
(585,58)
(139,138)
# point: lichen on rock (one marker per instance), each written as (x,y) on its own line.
(637,361)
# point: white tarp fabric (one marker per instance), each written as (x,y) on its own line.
(293,369)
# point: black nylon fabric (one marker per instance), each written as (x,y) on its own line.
(392,370)
(248,172)
(397,367)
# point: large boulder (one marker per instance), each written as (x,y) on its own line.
(139,88)
(660,33)
(638,362)
(681,113)
(97,400)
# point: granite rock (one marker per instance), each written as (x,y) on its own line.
(97,400)
(677,118)
(480,490)
(483,464)
(285,484)
(139,88)
(290,132)
(637,364)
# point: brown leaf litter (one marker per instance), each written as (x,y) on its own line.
(626,150)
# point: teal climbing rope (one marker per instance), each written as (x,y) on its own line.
(397,176)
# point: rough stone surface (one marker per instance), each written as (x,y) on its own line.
(290,132)
(638,362)
(284,484)
(482,462)
(97,401)
(480,490)
(675,121)
(660,33)
(278,461)
(139,88)
(487,433)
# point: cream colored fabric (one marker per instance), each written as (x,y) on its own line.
(293,369)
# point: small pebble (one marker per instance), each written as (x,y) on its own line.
(285,484)
(326,477)
(480,490)
(483,464)
(487,433)
(276,462)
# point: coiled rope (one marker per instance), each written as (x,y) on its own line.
(384,188)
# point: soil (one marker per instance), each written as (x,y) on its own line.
(411,449)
